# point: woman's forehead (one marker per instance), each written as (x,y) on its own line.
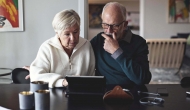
(72,28)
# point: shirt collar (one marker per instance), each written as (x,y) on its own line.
(127,36)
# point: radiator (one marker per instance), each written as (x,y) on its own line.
(166,53)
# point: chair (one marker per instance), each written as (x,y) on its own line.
(5,71)
(166,53)
(5,75)
(18,76)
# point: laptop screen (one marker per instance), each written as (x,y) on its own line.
(94,85)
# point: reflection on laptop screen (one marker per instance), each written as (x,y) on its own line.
(94,85)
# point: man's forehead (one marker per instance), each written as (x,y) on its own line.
(111,19)
(111,16)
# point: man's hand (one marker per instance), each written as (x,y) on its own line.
(110,45)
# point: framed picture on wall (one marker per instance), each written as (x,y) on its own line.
(11,15)
(179,11)
(133,20)
(95,11)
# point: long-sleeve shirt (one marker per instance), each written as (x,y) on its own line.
(52,63)
(127,65)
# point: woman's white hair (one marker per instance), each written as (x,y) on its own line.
(122,8)
(65,19)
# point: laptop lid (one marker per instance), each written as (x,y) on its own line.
(86,85)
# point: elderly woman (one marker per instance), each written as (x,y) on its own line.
(64,54)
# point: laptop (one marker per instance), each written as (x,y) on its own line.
(85,85)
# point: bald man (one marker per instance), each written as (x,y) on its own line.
(121,56)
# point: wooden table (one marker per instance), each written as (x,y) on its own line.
(176,100)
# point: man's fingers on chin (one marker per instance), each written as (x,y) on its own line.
(105,36)
(106,50)
(104,47)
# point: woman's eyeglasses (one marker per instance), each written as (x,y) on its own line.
(113,26)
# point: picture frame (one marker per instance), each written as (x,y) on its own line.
(11,18)
(178,11)
(133,19)
(95,11)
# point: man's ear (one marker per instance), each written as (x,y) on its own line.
(125,24)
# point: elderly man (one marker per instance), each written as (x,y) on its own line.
(121,56)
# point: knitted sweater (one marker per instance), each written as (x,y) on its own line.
(52,63)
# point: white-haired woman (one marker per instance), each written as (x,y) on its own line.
(64,54)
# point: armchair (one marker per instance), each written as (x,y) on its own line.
(17,75)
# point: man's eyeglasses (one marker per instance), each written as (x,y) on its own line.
(113,26)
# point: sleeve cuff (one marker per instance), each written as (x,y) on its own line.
(117,53)
(59,83)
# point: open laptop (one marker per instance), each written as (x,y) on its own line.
(85,85)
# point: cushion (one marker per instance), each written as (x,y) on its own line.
(183,35)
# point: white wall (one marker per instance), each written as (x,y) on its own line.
(20,48)
(83,13)
(155,20)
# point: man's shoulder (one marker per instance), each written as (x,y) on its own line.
(137,38)
(96,38)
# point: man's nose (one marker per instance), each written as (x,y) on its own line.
(110,29)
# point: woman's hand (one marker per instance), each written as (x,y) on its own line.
(27,77)
(27,68)
(65,83)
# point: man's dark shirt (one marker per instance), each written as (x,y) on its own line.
(127,65)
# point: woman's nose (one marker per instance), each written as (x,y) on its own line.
(72,37)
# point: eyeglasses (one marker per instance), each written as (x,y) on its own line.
(148,93)
(113,26)
(151,100)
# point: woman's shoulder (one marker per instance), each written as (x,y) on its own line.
(47,43)
(83,41)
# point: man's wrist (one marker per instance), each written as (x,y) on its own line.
(117,53)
